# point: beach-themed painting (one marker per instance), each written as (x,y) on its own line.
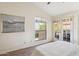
(12,23)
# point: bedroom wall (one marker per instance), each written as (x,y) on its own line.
(75,25)
(14,41)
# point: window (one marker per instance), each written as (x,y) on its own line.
(40,30)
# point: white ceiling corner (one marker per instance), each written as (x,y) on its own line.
(57,8)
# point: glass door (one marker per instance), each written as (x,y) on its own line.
(67,29)
(62,29)
(56,29)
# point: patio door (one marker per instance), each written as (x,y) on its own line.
(62,29)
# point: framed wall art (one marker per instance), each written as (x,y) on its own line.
(11,23)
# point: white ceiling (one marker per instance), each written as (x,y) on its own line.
(57,8)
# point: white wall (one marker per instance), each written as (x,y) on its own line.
(14,41)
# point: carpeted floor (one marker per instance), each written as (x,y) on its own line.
(21,52)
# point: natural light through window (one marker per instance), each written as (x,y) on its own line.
(40,30)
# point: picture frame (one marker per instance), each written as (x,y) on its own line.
(12,23)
